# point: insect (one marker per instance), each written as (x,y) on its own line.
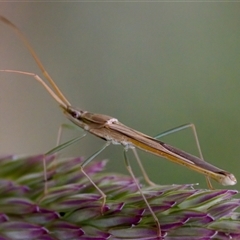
(114,132)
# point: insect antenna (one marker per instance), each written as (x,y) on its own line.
(56,90)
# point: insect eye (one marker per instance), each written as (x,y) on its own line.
(76,114)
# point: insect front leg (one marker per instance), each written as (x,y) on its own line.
(85,162)
(59,146)
(88,160)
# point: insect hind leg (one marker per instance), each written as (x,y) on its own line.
(165,133)
(193,128)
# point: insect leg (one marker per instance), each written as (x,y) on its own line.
(88,160)
(56,150)
(60,133)
(182,127)
(128,166)
(144,173)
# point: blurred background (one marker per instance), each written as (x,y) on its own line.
(154,66)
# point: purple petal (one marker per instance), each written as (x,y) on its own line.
(78,201)
(192,232)
(174,197)
(108,222)
(10,187)
(96,166)
(206,196)
(226,226)
(64,230)
(3,218)
(94,233)
(224,208)
(22,230)
(84,214)
(227,236)
(134,233)
(41,218)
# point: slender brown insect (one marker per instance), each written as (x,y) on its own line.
(112,131)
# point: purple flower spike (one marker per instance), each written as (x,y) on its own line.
(69,206)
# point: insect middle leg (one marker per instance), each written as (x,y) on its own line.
(128,166)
